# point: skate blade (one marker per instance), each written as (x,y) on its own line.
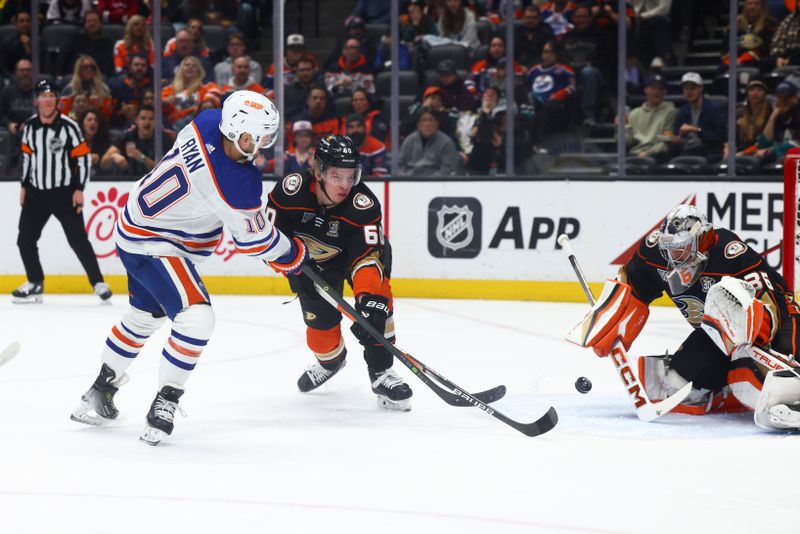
(86,419)
(395,406)
(152,436)
(28,300)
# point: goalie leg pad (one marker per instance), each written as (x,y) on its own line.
(776,407)
(732,316)
(617,314)
(746,380)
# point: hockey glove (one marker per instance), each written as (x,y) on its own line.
(617,314)
(734,318)
(375,309)
(292,262)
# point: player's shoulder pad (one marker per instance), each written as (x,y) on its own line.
(364,203)
(292,190)
(730,246)
(240,185)
(648,248)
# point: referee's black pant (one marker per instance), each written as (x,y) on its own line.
(37,208)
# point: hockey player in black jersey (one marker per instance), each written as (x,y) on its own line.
(734,300)
(339,219)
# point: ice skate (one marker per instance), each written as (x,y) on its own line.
(785,416)
(97,404)
(102,290)
(162,414)
(317,374)
(392,392)
(28,293)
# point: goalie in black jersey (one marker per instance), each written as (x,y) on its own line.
(733,299)
(339,219)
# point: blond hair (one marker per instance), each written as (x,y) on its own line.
(179,84)
(144,42)
(98,86)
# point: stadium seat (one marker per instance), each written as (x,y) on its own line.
(404,101)
(485,30)
(501,28)
(115,32)
(375,31)
(745,166)
(638,166)
(481,52)
(686,165)
(7,31)
(459,54)
(216,38)
(408,83)
(342,106)
(430,78)
(54,39)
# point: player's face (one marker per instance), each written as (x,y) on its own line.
(338,182)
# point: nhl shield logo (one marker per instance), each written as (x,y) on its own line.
(454,227)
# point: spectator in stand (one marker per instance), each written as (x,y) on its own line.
(17,46)
(483,71)
(552,86)
(294,53)
(298,158)
(653,29)
(184,47)
(117,11)
(149,98)
(237,47)
(86,79)
(419,23)
(751,118)
(134,154)
(184,97)
(67,11)
(375,124)
(383,58)
(90,41)
(484,140)
(650,124)
(241,79)
(700,124)
(322,120)
(606,16)
(199,48)
(372,153)
(432,100)
(457,23)
(428,152)
(296,94)
(529,38)
(95,131)
(137,40)
(16,99)
(455,93)
(80,105)
(354,29)
(351,71)
(497,79)
(558,15)
(782,130)
(755,29)
(373,11)
(169,11)
(127,90)
(588,50)
(785,49)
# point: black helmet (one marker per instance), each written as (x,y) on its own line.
(337,151)
(45,86)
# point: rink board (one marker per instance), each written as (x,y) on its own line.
(476,239)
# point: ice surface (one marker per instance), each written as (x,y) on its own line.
(255,455)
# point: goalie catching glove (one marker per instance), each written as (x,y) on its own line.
(617,314)
(733,318)
(292,262)
(375,309)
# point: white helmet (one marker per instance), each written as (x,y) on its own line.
(252,113)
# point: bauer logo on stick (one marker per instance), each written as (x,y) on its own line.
(454,227)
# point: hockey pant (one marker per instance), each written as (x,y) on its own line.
(161,287)
(323,327)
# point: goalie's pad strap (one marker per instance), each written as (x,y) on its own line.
(617,314)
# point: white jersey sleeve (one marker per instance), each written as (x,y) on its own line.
(182,205)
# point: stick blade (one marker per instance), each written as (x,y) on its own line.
(9,352)
(652,411)
(545,423)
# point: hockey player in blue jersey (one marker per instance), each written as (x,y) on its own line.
(174,218)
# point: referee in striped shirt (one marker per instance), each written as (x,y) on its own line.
(55,168)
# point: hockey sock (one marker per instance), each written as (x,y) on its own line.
(191,330)
(127,338)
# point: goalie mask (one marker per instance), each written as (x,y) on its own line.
(684,240)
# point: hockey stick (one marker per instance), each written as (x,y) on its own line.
(775,361)
(425,373)
(646,410)
(10,351)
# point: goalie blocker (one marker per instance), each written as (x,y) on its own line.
(734,300)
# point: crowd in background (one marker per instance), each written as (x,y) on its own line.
(453,95)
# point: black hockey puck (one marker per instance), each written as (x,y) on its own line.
(583,384)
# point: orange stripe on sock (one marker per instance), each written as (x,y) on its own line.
(184,350)
(128,341)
